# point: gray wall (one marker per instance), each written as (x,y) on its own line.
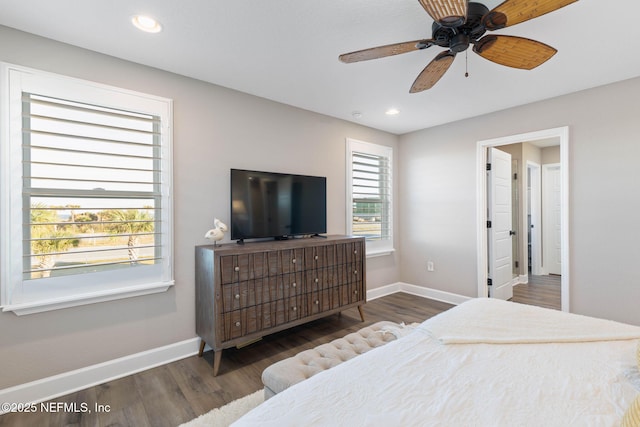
(214,129)
(551,155)
(438,199)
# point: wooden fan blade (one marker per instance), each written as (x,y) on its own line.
(449,13)
(512,12)
(384,51)
(433,72)
(516,52)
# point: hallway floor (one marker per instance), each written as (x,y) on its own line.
(542,291)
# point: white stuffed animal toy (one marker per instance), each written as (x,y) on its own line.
(217,233)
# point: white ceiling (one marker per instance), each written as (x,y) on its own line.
(287,51)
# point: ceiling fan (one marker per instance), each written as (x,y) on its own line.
(459,23)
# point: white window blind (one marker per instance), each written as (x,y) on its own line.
(370,194)
(91,187)
(94,191)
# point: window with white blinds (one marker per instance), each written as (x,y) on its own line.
(91,191)
(369,189)
(93,179)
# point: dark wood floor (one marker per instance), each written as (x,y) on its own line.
(543,291)
(180,391)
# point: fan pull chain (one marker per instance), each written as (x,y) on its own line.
(466,63)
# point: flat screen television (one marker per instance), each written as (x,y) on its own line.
(277,205)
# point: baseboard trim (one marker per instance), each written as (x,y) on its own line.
(383,291)
(515,281)
(70,382)
(420,291)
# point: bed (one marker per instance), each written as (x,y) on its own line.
(485,362)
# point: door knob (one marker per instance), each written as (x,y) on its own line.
(512,233)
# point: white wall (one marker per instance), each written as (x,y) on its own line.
(437,203)
(215,129)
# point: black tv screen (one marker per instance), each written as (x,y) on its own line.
(267,204)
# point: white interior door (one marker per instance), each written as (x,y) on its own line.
(500,231)
(534,218)
(551,225)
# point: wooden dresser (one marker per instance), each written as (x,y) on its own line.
(244,292)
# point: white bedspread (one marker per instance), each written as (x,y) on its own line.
(419,380)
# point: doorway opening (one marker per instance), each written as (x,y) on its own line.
(529,214)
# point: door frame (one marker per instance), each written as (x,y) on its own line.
(562,133)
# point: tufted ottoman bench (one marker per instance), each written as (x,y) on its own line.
(285,373)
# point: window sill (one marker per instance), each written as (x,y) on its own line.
(379,252)
(91,298)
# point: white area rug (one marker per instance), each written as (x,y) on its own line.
(227,414)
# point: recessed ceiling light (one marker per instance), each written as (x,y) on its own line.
(146,23)
(392,112)
(356,114)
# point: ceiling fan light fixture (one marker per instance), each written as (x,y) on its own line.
(446,12)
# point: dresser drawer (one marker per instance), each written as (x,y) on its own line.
(319,256)
(353,252)
(291,260)
(231,326)
(236,296)
(296,308)
(273,314)
(348,253)
(233,298)
(339,296)
(234,268)
(291,284)
(243,322)
(319,301)
(239,268)
(319,278)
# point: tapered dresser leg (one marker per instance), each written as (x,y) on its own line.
(361,313)
(217,357)
(201,351)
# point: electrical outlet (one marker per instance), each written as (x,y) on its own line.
(429,265)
